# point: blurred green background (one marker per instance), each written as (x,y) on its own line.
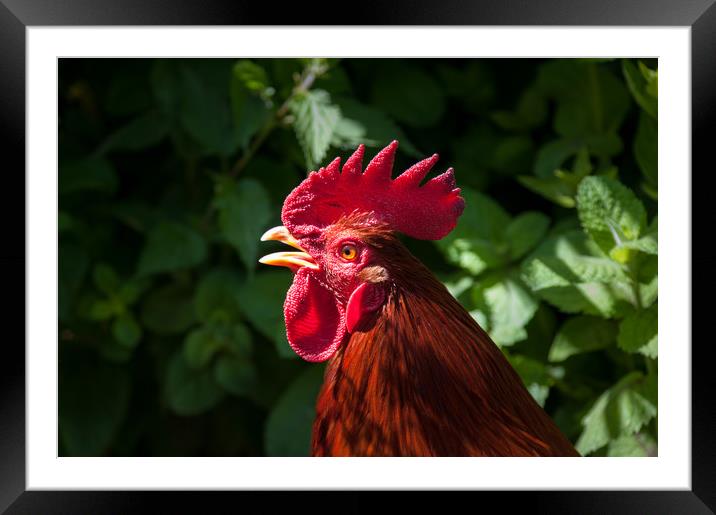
(171,335)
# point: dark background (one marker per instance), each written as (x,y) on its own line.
(171,335)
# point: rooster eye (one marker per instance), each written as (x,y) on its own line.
(348,252)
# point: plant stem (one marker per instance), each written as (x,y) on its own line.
(308,77)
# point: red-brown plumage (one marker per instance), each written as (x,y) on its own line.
(425,380)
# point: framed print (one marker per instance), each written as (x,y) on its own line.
(485,319)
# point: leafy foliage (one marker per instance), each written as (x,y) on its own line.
(172,339)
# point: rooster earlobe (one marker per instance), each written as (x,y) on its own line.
(365,300)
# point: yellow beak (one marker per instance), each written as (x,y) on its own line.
(292,260)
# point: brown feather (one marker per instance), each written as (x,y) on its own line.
(424,379)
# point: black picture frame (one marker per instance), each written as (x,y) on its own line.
(17,15)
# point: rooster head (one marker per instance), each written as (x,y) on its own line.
(332,219)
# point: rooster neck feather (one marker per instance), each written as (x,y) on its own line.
(426,380)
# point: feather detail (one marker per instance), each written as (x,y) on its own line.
(426,380)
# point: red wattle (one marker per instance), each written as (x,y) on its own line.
(365,300)
(315,320)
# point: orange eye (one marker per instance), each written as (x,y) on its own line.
(348,252)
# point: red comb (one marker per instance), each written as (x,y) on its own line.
(427,212)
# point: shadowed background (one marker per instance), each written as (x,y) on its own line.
(172,339)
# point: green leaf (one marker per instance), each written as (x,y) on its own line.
(71,269)
(288,428)
(582,334)
(65,222)
(244,212)
(261,299)
(144,131)
(126,330)
(316,121)
(408,94)
(105,278)
(93,401)
(553,155)
(129,292)
(534,375)
(590,99)
(637,445)
(648,280)
(216,296)
(622,410)
(190,391)
(643,86)
(477,243)
(236,374)
(372,127)
(90,174)
(250,112)
(638,332)
(646,149)
(166,85)
(473,85)
(171,246)
(200,346)
(250,75)
(169,309)
(204,110)
(513,155)
(509,306)
(102,309)
(570,272)
(530,112)
(609,212)
(525,231)
(551,188)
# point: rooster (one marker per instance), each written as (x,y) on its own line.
(409,372)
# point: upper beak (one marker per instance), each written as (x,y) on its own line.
(292,260)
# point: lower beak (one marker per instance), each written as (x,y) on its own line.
(292,260)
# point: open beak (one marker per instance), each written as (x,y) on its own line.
(292,260)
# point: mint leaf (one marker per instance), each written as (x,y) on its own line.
(261,300)
(364,124)
(190,391)
(90,174)
(582,334)
(534,375)
(105,278)
(637,445)
(288,428)
(408,94)
(171,246)
(622,410)
(477,243)
(93,403)
(508,306)
(244,211)
(610,213)
(249,83)
(215,297)
(200,345)
(236,374)
(638,332)
(524,231)
(646,149)
(643,86)
(144,131)
(572,273)
(168,309)
(126,330)
(316,121)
